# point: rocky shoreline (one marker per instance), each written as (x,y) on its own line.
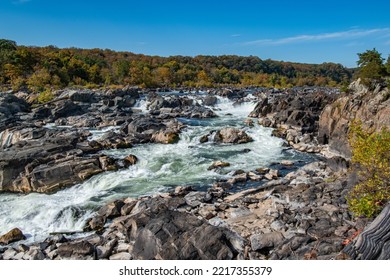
(301,215)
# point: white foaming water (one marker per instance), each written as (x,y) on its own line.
(141,105)
(236,110)
(160,168)
(99,133)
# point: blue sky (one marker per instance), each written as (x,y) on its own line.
(299,31)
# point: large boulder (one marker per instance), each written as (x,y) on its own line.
(52,176)
(82,96)
(12,236)
(127,92)
(145,125)
(232,135)
(66,108)
(160,233)
(210,100)
(165,137)
(45,176)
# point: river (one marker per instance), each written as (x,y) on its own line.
(159,169)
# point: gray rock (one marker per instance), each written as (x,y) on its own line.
(52,254)
(19,256)
(105,250)
(210,100)
(266,240)
(195,198)
(9,254)
(121,256)
(36,254)
(278,225)
(240,212)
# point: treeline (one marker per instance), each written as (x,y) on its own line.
(40,68)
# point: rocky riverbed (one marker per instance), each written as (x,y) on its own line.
(247,197)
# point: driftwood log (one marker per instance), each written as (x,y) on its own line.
(374,242)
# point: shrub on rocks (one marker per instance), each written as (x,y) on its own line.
(371,155)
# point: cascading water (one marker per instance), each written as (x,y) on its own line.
(160,167)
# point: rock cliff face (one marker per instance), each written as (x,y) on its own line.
(371,107)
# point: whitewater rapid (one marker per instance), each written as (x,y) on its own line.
(159,169)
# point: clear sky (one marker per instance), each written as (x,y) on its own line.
(299,31)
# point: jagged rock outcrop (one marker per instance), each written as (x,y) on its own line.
(371,107)
(296,109)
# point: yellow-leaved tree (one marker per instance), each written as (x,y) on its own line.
(371,156)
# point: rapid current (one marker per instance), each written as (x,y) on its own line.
(159,169)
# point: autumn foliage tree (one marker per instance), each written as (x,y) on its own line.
(46,68)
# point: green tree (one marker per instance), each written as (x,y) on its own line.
(388,66)
(7,44)
(121,70)
(7,50)
(94,74)
(370,66)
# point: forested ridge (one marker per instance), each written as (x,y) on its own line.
(46,68)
